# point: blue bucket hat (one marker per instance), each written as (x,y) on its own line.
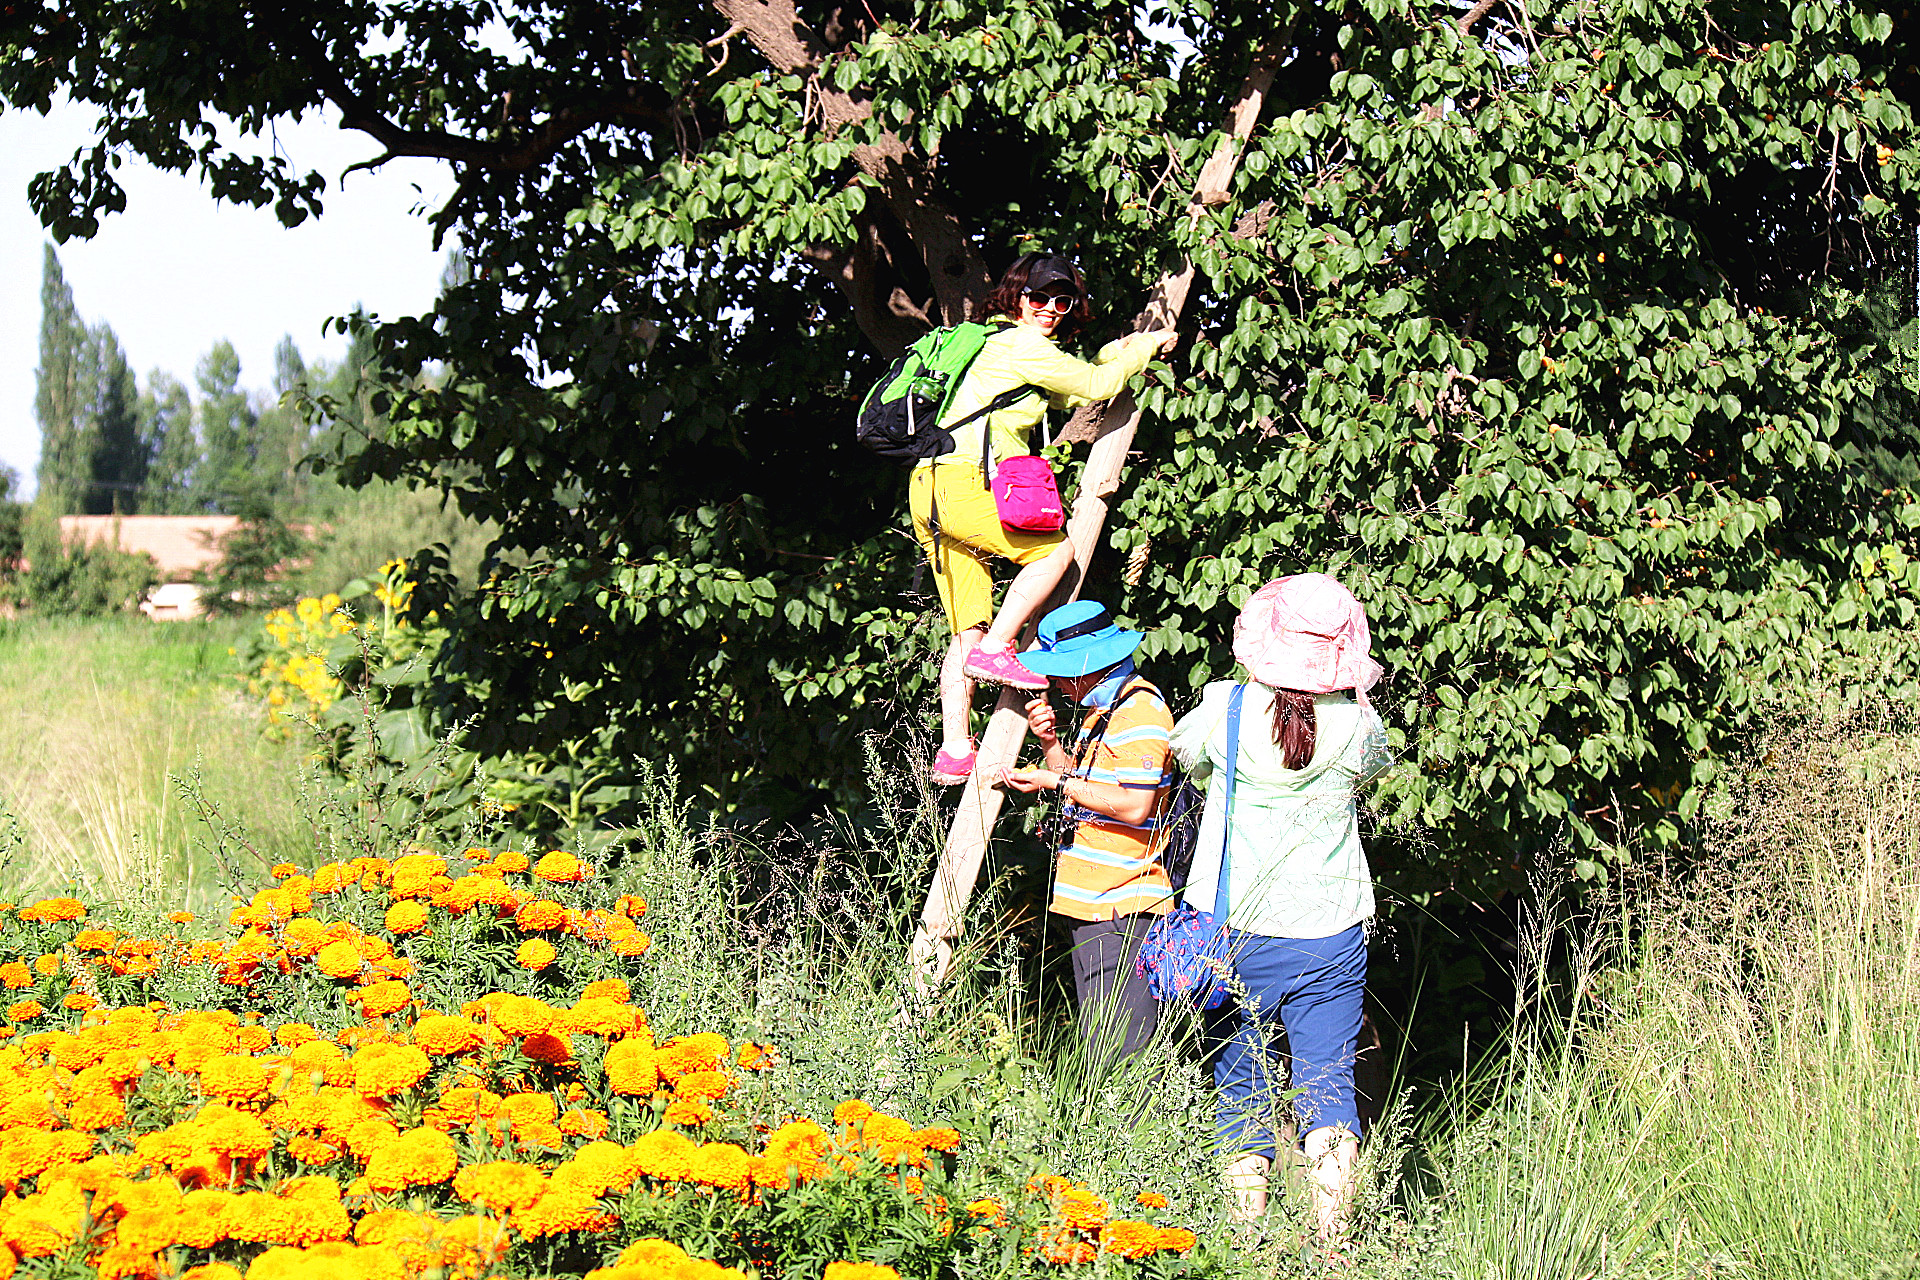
(1078,639)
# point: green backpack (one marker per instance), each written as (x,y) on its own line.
(900,418)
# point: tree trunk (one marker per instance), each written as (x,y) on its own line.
(966,848)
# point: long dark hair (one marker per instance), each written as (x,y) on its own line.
(1005,298)
(1293,727)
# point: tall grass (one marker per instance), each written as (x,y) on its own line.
(101,722)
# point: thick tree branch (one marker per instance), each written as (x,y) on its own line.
(1473,15)
(958,273)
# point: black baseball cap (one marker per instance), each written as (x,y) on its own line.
(1049,271)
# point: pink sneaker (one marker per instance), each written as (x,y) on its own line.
(951,771)
(1002,668)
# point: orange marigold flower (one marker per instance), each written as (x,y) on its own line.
(25,1011)
(407,916)
(1152,1199)
(78,1000)
(511,861)
(180,917)
(383,998)
(522,1015)
(48,910)
(664,1155)
(1081,1209)
(443,1035)
(691,1114)
(796,1150)
(614,989)
(702,1086)
(1177,1239)
(860,1271)
(599,1016)
(380,1070)
(852,1111)
(684,1054)
(417,1158)
(992,1211)
(281,870)
(339,960)
(632,944)
(631,905)
(96,1111)
(584,1124)
(630,1067)
(15,975)
(756,1057)
(211,1271)
(94,940)
(560,1209)
(540,915)
(1130,1239)
(560,868)
(544,1046)
(938,1139)
(234,1078)
(721,1164)
(1064,1246)
(535,953)
(502,1184)
(291,1035)
(308,1149)
(47,965)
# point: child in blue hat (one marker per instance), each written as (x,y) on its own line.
(1108,880)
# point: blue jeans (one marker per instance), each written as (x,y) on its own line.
(1313,988)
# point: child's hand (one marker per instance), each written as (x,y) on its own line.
(1029,780)
(1040,720)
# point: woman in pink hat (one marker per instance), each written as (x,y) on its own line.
(1299,889)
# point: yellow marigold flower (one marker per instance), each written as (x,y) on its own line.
(1080,1209)
(540,916)
(511,861)
(383,998)
(47,965)
(233,1078)
(632,944)
(691,1114)
(419,1157)
(94,940)
(380,1070)
(860,1271)
(522,1015)
(15,975)
(614,989)
(502,1184)
(407,916)
(721,1164)
(561,1209)
(599,1016)
(796,1150)
(25,1011)
(291,1035)
(443,1035)
(211,1271)
(685,1054)
(308,1149)
(630,1067)
(339,960)
(96,1111)
(852,1111)
(78,1000)
(560,867)
(535,953)
(664,1155)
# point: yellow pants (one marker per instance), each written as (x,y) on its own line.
(970,535)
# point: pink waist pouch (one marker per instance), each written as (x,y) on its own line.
(1027,497)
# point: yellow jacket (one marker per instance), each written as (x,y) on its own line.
(1020,355)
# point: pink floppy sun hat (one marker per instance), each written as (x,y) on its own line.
(1306,632)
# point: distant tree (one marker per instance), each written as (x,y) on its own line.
(12,523)
(62,392)
(117,465)
(227,422)
(282,433)
(169,444)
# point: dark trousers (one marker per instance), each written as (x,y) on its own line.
(1118,1013)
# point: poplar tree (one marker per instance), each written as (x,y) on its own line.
(64,388)
(169,444)
(117,466)
(227,420)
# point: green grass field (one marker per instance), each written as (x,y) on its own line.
(1713,1070)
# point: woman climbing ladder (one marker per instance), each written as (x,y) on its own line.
(1042,299)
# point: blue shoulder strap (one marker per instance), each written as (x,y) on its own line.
(1226,816)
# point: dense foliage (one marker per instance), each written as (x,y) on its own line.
(1539,324)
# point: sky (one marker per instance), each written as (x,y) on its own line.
(178,271)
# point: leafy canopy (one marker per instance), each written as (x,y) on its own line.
(1538,324)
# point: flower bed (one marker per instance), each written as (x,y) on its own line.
(428,1066)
